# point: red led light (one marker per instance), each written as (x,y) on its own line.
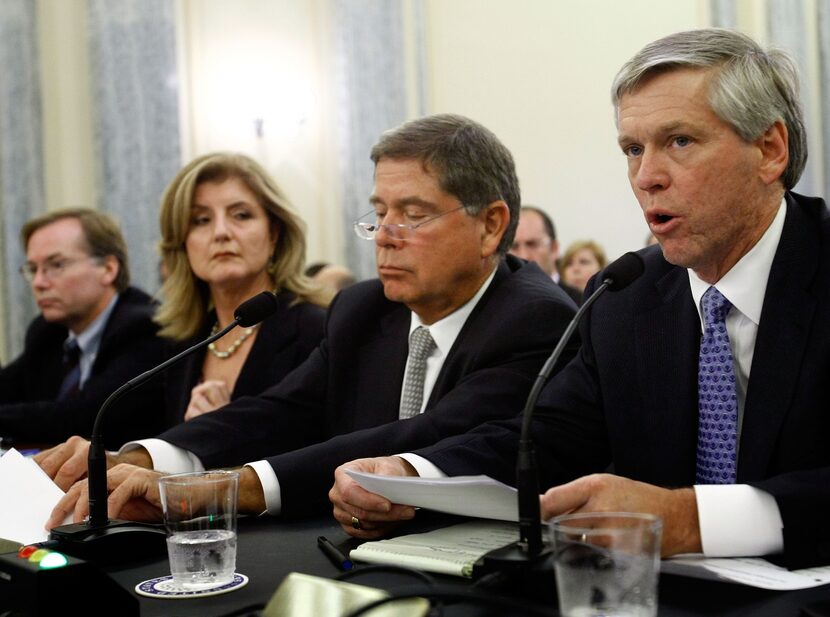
(26,551)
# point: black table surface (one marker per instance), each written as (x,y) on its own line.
(269,549)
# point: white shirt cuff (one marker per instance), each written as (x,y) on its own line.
(166,456)
(270,486)
(424,467)
(738,520)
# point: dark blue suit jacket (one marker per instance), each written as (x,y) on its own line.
(629,399)
(129,346)
(347,394)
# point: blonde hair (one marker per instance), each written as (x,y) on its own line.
(186,299)
(577,246)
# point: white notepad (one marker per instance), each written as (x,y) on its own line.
(451,550)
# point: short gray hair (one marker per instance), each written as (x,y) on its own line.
(751,90)
(468,159)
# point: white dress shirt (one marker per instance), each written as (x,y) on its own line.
(167,457)
(725,509)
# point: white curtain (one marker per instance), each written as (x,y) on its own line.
(21,160)
(132,46)
(803,30)
(370,68)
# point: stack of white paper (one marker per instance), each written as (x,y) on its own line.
(28,498)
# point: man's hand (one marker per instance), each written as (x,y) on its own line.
(376,514)
(609,493)
(208,396)
(133,495)
(66,463)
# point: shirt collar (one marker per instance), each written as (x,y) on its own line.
(90,338)
(446,330)
(745,285)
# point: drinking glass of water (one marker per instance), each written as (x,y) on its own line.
(606,564)
(200,517)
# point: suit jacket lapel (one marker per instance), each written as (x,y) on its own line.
(788,311)
(472,330)
(387,354)
(666,343)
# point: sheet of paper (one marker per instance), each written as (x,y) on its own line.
(754,572)
(28,498)
(478,496)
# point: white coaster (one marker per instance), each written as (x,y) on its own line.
(164,587)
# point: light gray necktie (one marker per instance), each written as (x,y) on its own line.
(420,346)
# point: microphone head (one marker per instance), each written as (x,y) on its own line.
(255,309)
(624,271)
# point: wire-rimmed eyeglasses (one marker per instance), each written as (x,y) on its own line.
(400,231)
(51,268)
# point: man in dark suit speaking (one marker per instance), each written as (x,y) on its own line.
(705,382)
(451,335)
(94,333)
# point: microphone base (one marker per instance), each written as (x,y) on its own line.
(112,543)
(511,569)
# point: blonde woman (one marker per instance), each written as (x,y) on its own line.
(228,234)
(581,261)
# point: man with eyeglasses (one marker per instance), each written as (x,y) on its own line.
(453,332)
(536,241)
(93,334)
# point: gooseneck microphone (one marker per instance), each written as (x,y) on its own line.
(529,549)
(99,537)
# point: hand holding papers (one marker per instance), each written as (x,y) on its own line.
(477,496)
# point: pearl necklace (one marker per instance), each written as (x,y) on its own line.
(224,355)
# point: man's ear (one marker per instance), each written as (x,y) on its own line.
(111,269)
(775,152)
(496,219)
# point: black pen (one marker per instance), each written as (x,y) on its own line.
(334,554)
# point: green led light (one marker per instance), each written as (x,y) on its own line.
(52,561)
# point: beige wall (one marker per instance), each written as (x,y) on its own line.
(69,163)
(252,60)
(538,73)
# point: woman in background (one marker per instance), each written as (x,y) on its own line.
(581,261)
(228,234)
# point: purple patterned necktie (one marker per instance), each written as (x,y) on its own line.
(717,433)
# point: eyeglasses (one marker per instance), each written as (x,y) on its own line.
(52,269)
(399,231)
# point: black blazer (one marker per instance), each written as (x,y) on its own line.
(630,397)
(284,341)
(129,346)
(347,394)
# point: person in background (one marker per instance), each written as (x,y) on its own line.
(452,333)
(536,241)
(228,234)
(93,334)
(331,276)
(704,382)
(581,261)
